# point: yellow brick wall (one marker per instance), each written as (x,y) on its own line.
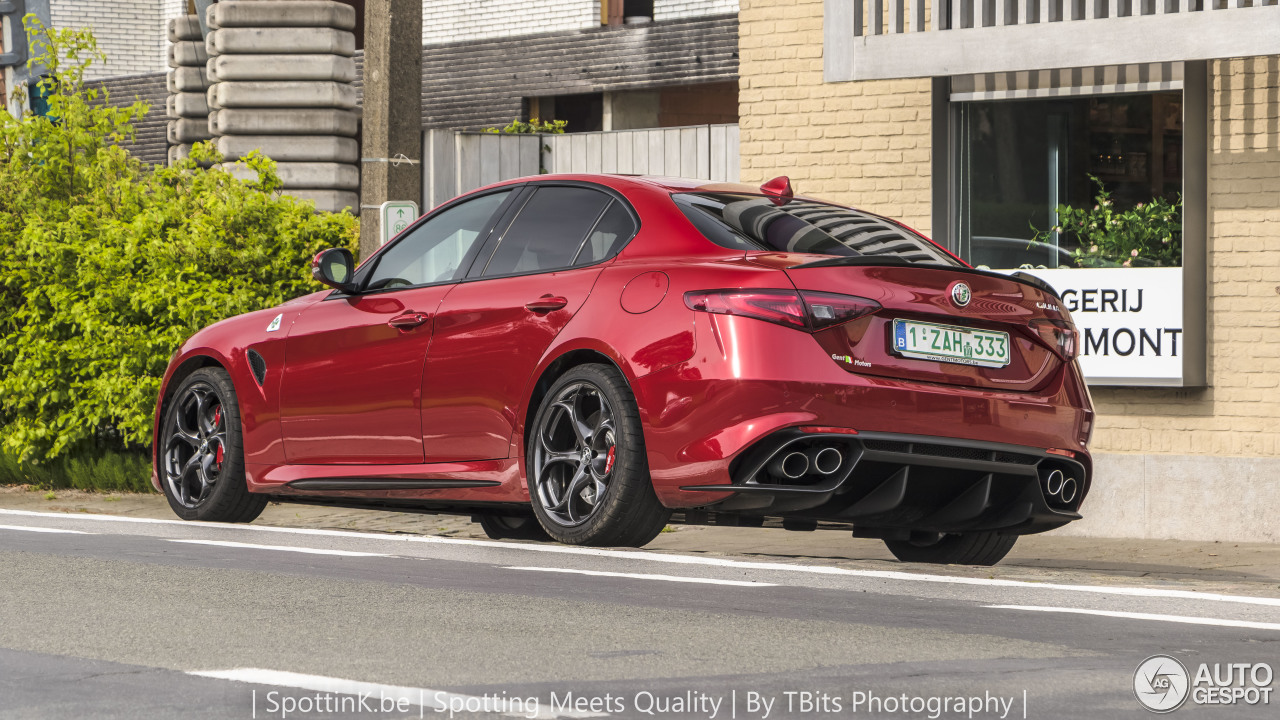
(1239,414)
(864,144)
(868,144)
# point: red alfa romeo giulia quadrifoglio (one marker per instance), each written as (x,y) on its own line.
(578,356)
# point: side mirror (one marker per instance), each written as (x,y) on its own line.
(335,267)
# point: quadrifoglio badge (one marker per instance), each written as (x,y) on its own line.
(1163,684)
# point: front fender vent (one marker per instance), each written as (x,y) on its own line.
(258,366)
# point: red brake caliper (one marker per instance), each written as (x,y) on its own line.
(217,418)
(608,463)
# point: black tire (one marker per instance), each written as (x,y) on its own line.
(615,505)
(201,455)
(511,527)
(979,548)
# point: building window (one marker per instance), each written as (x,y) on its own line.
(1095,181)
(1019,162)
(617,12)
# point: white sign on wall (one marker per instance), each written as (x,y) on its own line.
(1130,322)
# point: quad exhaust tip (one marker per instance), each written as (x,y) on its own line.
(1060,487)
(814,461)
(825,460)
(792,465)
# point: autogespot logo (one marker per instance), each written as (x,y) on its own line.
(1161,683)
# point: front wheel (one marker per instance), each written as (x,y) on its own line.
(979,548)
(201,453)
(586,465)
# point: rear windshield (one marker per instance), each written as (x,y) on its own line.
(753,222)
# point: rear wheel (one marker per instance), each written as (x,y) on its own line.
(511,527)
(585,460)
(201,452)
(979,548)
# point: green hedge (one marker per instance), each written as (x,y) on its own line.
(107,265)
(104,471)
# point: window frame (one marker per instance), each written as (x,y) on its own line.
(499,233)
(1196,108)
(369,267)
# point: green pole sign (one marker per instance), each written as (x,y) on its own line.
(394,216)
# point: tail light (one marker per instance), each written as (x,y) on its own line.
(804,310)
(1059,335)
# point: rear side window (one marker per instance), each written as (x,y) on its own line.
(615,228)
(549,230)
(753,222)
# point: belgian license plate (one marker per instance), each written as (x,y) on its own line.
(949,343)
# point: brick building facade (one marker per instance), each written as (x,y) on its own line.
(131,33)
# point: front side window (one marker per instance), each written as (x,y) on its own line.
(434,251)
(549,230)
(753,222)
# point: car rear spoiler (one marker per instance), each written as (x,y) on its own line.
(874,260)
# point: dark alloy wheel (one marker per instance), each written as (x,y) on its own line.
(978,548)
(201,457)
(589,479)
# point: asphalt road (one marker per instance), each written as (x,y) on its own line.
(111,617)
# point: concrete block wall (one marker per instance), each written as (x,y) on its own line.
(282,84)
(186,107)
(132,33)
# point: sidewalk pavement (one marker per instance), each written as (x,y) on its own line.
(1240,568)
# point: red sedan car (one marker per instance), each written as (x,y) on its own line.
(578,356)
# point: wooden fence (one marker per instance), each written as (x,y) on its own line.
(456,162)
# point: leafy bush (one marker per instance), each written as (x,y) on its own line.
(107,265)
(520,127)
(1148,235)
(103,470)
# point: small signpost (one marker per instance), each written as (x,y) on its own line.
(393,217)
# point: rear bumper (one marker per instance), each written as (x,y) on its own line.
(750,380)
(889,482)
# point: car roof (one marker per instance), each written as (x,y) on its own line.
(622,182)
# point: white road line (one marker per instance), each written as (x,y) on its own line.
(436,700)
(285,548)
(658,557)
(32,528)
(1145,616)
(643,576)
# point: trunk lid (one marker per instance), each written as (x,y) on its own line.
(925,298)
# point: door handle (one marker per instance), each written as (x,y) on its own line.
(546,304)
(408,321)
